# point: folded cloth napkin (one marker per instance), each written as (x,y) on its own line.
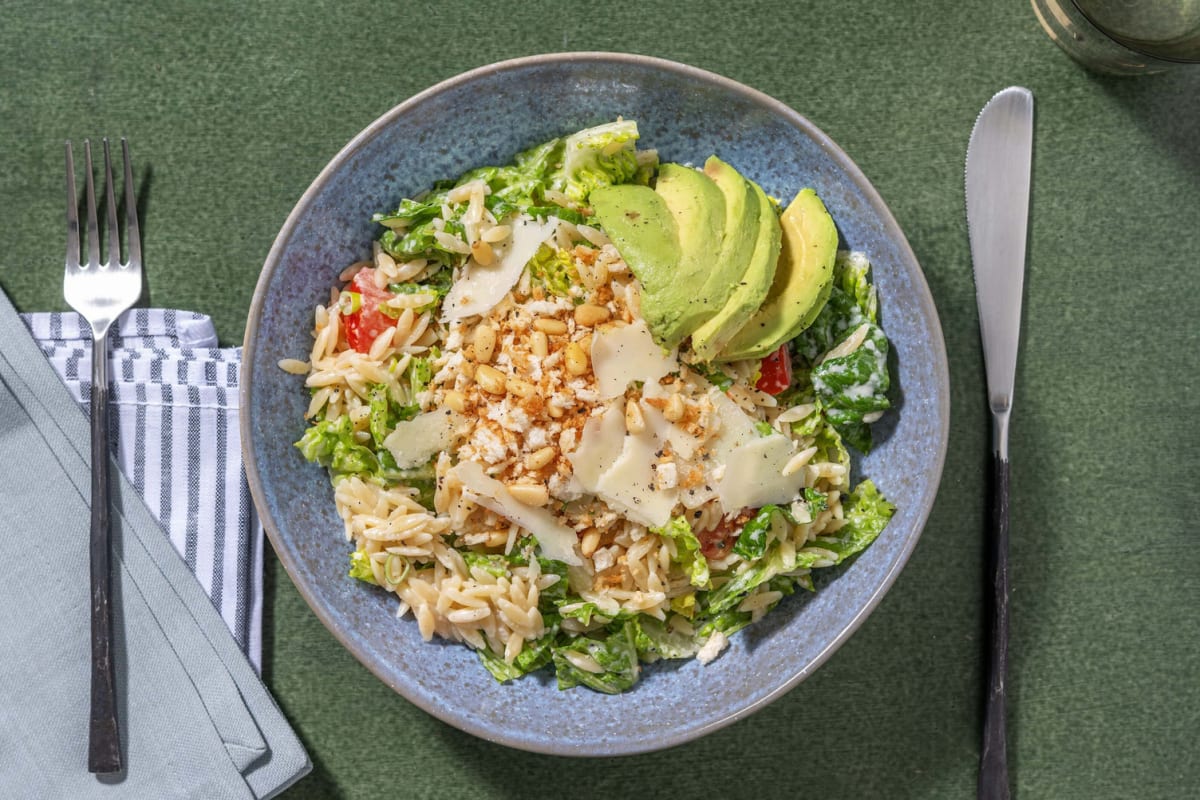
(173,413)
(195,720)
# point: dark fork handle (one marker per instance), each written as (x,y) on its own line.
(993,764)
(104,741)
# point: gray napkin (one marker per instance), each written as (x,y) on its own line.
(195,719)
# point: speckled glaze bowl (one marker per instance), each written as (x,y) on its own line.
(486,116)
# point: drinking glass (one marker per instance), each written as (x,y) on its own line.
(1124,37)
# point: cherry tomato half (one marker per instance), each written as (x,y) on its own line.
(776,371)
(365,324)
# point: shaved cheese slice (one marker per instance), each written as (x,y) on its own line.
(683,445)
(736,427)
(419,439)
(754,474)
(624,354)
(480,288)
(629,483)
(555,540)
(598,447)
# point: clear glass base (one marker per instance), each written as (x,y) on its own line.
(1090,46)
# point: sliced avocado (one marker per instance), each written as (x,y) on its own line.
(750,291)
(741,225)
(644,232)
(803,280)
(698,205)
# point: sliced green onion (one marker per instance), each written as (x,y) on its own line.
(389,571)
(349,302)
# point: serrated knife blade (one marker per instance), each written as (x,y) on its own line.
(999,164)
(998,174)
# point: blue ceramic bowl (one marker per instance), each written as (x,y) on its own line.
(485,117)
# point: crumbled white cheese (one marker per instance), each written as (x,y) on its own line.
(488,445)
(712,648)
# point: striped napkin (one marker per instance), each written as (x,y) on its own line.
(174,417)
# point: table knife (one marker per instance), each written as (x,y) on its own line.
(999,161)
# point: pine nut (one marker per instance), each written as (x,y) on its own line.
(485,342)
(490,379)
(589,315)
(673,410)
(520,388)
(455,401)
(482,252)
(531,494)
(540,458)
(539,344)
(550,326)
(575,359)
(589,543)
(496,233)
(635,423)
(554,411)
(497,538)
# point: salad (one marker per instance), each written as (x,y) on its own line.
(587,410)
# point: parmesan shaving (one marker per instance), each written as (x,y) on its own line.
(624,354)
(555,540)
(480,288)
(419,439)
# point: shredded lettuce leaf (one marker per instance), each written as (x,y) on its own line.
(752,541)
(866,512)
(601,156)
(554,270)
(852,387)
(616,654)
(687,551)
(655,639)
(360,567)
(574,166)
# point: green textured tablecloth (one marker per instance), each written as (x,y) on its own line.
(232,108)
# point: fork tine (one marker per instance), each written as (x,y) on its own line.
(93,229)
(134,247)
(72,213)
(114,233)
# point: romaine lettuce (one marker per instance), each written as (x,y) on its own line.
(687,551)
(360,567)
(848,388)
(654,639)
(554,270)
(601,156)
(616,654)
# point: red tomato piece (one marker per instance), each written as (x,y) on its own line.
(776,371)
(718,541)
(365,324)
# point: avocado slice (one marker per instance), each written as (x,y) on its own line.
(741,226)
(643,230)
(750,291)
(698,205)
(803,280)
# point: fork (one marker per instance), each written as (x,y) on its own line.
(101,293)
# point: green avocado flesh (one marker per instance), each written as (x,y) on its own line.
(699,208)
(741,226)
(803,280)
(748,294)
(643,230)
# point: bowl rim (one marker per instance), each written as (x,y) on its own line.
(892,230)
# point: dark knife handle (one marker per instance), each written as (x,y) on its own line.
(993,763)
